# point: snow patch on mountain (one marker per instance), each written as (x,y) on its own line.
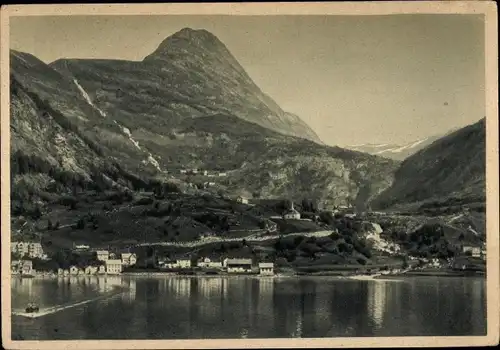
(393,151)
(150,159)
(87,98)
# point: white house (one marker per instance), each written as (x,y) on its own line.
(183,263)
(15,266)
(73,270)
(215,265)
(222,174)
(203,262)
(101,270)
(238,265)
(113,266)
(209,263)
(35,250)
(241,199)
(292,214)
(266,268)
(183,171)
(91,270)
(102,255)
(170,265)
(129,259)
(22,248)
(60,271)
(435,262)
(475,251)
(32,249)
(27,267)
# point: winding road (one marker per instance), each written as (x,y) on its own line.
(249,238)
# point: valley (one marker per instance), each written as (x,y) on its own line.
(183,152)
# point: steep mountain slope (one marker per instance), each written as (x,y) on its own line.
(102,123)
(191,74)
(52,155)
(398,152)
(449,171)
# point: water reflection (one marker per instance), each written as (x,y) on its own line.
(234,307)
(376,302)
(129,295)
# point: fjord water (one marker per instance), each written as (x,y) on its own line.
(244,307)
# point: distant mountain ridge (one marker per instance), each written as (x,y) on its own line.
(398,151)
(452,170)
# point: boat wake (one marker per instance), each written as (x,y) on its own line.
(54,309)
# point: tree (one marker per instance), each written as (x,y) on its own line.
(80,224)
(327,217)
(297,240)
(335,236)
(49,225)
(405,262)
(287,204)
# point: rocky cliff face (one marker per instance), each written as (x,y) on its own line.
(452,169)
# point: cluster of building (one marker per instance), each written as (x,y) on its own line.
(110,264)
(202,172)
(22,267)
(203,185)
(28,249)
(230,265)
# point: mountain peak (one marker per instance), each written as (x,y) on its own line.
(189,41)
(190,33)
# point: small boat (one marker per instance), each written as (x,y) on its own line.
(32,307)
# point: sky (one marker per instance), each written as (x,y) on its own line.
(353,79)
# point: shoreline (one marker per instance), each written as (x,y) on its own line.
(326,273)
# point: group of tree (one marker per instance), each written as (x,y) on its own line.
(309,205)
(26,208)
(65,258)
(214,221)
(51,226)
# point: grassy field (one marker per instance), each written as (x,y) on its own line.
(100,220)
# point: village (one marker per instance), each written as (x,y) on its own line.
(104,262)
(107,262)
